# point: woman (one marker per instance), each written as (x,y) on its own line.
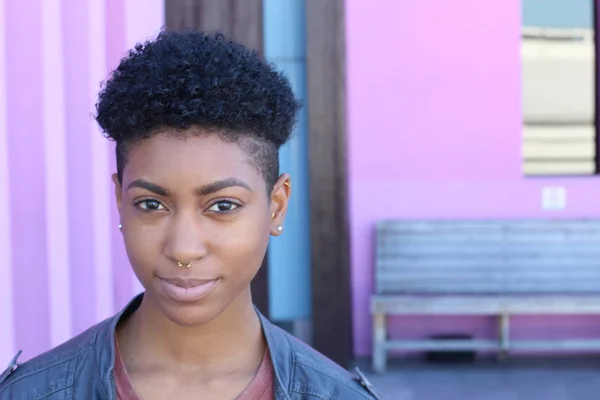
(198,121)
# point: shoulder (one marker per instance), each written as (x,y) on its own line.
(50,372)
(316,376)
(320,377)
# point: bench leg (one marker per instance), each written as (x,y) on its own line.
(379,343)
(504,332)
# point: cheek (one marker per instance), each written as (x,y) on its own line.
(142,247)
(242,246)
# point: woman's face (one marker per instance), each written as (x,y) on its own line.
(196,201)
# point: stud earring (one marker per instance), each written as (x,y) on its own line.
(279,228)
(120,227)
(273,216)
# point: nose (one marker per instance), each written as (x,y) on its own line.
(186,241)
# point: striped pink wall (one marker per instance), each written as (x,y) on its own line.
(62,263)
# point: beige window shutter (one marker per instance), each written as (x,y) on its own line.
(558,81)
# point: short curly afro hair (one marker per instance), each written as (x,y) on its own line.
(184,79)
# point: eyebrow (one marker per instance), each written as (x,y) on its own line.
(152,187)
(220,185)
(201,191)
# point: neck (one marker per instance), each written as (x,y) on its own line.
(233,338)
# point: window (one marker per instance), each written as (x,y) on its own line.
(559,87)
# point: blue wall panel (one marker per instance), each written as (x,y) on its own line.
(558,13)
(289,254)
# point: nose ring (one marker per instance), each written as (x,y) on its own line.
(180,264)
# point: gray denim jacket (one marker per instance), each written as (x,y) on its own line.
(82,369)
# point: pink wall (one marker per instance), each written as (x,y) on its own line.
(434,124)
(62,264)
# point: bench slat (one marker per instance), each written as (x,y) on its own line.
(490,225)
(485,305)
(561,256)
(401,248)
(483,238)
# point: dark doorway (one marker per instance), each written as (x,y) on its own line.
(326,100)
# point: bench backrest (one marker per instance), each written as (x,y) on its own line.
(488,257)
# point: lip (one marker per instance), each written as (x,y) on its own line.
(187,282)
(186,290)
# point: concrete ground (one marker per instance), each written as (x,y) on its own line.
(487,380)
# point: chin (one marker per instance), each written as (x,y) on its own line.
(190,315)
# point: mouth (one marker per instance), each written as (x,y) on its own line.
(186,290)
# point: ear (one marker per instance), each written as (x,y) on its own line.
(280,197)
(115,179)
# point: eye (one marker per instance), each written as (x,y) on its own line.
(150,205)
(223,206)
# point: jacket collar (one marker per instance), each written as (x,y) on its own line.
(279,349)
(105,345)
(281,356)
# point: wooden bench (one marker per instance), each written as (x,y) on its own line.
(484,268)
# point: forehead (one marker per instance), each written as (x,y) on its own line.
(182,159)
